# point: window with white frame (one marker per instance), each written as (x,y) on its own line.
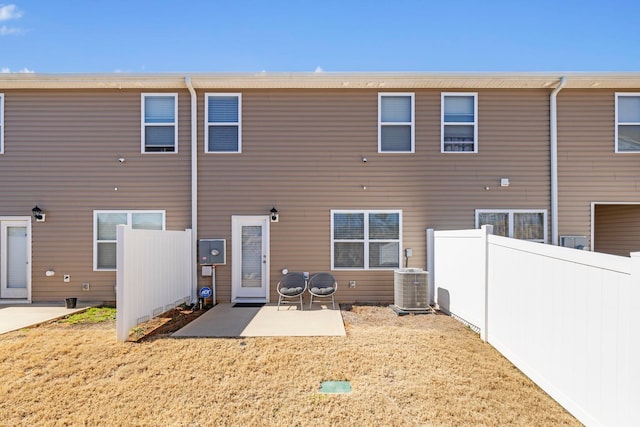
(516,223)
(223,127)
(159,123)
(104,232)
(365,240)
(627,123)
(459,122)
(1,123)
(396,132)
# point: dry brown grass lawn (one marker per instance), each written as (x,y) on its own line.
(425,370)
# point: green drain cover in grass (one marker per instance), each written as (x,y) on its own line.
(335,387)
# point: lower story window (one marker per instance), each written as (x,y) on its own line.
(104,232)
(515,223)
(363,240)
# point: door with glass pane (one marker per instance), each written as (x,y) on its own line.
(250,264)
(14,251)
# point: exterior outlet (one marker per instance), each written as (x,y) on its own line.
(85,286)
(352,284)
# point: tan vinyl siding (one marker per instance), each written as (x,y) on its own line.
(302,152)
(61,151)
(617,229)
(589,170)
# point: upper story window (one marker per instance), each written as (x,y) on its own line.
(459,123)
(223,126)
(1,123)
(627,122)
(518,224)
(396,132)
(159,123)
(104,232)
(365,240)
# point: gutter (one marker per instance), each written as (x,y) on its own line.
(194,188)
(553,124)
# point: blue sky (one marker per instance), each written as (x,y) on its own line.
(141,36)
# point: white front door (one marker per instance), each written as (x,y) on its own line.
(250,262)
(14,259)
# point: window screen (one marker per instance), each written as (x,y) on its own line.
(159,123)
(366,240)
(396,121)
(223,128)
(459,131)
(628,126)
(105,223)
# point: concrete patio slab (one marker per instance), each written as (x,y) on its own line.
(224,320)
(18,316)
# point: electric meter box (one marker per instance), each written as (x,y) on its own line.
(212,251)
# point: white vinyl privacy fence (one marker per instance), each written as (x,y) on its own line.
(154,275)
(564,317)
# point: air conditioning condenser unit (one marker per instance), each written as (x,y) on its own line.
(411,289)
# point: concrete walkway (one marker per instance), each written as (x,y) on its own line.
(18,316)
(224,320)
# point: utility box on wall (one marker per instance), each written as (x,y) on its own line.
(212,251)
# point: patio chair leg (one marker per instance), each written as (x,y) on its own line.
(279,299)
(310,302)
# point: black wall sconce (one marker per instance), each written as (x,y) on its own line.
(275,217)
(38,214)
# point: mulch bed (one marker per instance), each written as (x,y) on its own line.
(165,324)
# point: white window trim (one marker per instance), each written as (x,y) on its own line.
(1,123)
(474,123)
(366,240)
(207,124)
(511,213)
(143,125)
(412,123)
(129,222)
(616,124)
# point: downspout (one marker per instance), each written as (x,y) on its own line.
(554,160)
(194,188)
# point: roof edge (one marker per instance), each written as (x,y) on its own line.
(323,80)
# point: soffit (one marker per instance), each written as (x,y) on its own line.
(324,80)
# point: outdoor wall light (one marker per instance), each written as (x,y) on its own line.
(275,217)
(38,214)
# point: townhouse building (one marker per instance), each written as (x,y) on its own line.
(307,172)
